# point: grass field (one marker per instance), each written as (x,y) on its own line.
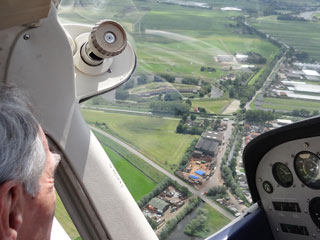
(301,35)
(255,77)
(137,162)
(190,37)
(153,137)
(289,104)
(215,219)
(316,14)
(159,85)
(65,220)
(137,183)
(211,106)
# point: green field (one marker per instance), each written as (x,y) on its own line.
(137,183)
(211,106)
(65,220)
(215,219)
(317,15)
(289,104)
(153,137)
(162,85)
(189,39)
(255,77)
(134,160)
(301,35)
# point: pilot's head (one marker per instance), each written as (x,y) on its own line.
(27,194)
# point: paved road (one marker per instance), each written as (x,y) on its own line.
(118,110)
(216,179)
(269,78)
(165,172)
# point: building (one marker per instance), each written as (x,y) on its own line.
(207,147)
(311,73)
(213,136)
(283,122)
(225,58)
(158,204)
(241,57)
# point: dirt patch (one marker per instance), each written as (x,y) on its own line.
(232,107)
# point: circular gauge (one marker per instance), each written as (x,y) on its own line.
(307,166)
(282,174)
(267,187)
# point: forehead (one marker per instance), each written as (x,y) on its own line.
(43,139)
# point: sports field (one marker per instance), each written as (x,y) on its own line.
(211,106)
(301,35)
(152,136)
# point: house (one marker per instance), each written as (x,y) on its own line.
(159,205)
(213,136)
(208,147)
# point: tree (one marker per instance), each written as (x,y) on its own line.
(180,128)
(188,101)
(206,122)
(128,85)
(184,117)
(193,117)
(168,77)
(157,78)
(315,113)
(198,224)
(152,223)
(172,96)
(142,79)
(122,94)
(202,110)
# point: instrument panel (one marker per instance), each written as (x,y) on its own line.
(288,181)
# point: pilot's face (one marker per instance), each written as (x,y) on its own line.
(38,211)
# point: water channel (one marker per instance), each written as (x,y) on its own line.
(178,234)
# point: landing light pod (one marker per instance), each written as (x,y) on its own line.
(102,56)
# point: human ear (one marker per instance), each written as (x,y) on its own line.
(10,209)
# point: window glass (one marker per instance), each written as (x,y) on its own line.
(211,76)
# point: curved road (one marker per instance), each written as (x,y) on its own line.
(165,172)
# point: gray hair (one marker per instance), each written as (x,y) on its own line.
(22,154)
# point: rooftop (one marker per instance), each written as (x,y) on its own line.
(207,145)
(212,135)
(158,203)
(311,73)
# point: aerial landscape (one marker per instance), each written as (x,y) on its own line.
(211,76)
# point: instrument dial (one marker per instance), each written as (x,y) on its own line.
(307,167)
(282,174)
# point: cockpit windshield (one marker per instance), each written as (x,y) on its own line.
(211,76)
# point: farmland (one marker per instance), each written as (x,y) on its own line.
(134,160)
(289,104)
(174,39)
(137,183)
(159,85)
(153,137)
(301,35)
